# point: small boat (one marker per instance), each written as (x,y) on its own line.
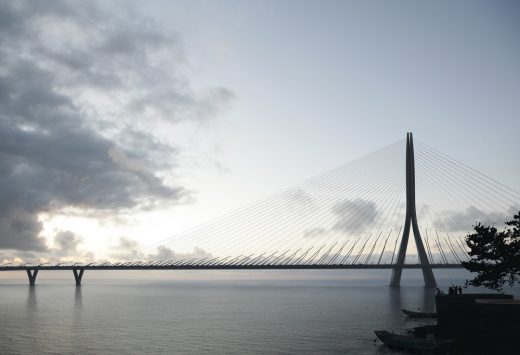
(412,343)
(416,314)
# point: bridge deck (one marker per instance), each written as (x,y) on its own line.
(222,267)
(78,270)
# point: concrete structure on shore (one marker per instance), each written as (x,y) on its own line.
(480,322)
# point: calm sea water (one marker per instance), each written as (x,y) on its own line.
(168,316)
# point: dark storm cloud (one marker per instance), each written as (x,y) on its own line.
(77,86)
(66,247)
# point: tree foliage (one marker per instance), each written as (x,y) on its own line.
(495,255)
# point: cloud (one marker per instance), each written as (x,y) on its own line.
(130,250)
(353,216)
(79,84)
(315,232)
(66,242)
(299,199)
(19,229)
(66,247)
(453,221)
(165,253)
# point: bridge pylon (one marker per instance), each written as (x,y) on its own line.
(411,221)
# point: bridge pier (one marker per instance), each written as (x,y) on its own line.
(78,275)
(411,223)
(32,273)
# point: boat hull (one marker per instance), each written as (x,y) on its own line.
(410,342)
(413,314)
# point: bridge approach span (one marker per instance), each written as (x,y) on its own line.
(78,270)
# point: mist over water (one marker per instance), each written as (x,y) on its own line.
(223,316)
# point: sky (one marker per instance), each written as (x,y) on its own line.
(124,123)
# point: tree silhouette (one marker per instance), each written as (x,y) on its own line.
(495,255)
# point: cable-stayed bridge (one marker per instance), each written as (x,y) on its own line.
(357,216)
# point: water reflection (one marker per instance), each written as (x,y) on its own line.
(78,299)
(407,297)
(77,313)
(428,299)
(31,299)
(395,298)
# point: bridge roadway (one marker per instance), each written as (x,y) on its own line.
(32,270)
